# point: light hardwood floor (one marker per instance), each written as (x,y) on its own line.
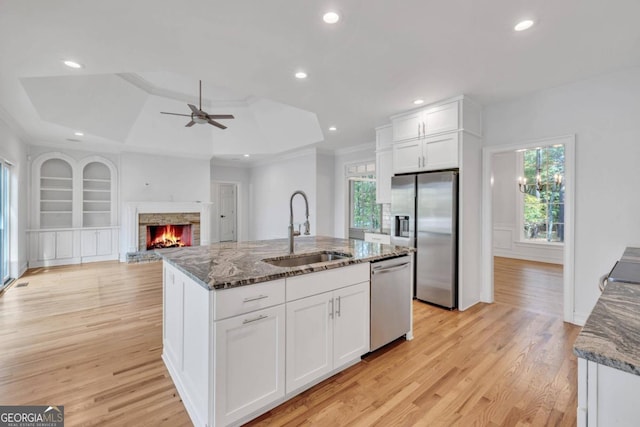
(89,337)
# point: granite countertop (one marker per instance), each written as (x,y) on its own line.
(231,264)
(611,335)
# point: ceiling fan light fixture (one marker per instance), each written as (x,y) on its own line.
(72,64)
(199,120)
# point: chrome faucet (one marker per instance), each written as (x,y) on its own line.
(293,232)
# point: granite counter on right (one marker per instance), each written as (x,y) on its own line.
(608,350)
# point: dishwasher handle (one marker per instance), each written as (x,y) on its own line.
(379,270)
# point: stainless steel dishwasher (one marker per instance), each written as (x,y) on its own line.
(390,300)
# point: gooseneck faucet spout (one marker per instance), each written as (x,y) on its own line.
(293,232)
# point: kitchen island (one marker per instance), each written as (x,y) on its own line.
(608,350)
(242,335)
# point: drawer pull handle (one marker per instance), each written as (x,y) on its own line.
(255,319)
(259,297)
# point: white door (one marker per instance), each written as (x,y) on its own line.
(249,365)
(309,339)
(227,200)
(351,327)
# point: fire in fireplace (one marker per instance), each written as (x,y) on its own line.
(168,236)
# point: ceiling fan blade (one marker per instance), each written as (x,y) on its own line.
(191,123)
(213,122)
(176,114)
(220,116)
(194,109)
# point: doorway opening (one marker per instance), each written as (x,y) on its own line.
(227,212)
(528,189)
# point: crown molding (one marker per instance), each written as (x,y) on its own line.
(355,148)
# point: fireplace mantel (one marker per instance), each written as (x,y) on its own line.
(133,209)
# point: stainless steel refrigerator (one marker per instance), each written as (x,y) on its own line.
(424,212)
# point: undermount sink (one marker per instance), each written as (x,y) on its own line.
(305,259)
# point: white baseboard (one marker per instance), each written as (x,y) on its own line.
(527,257)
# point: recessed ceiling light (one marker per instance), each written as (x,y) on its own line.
(331,17)
(301,75)
(418,101)
(73,64)
(523,25)
(333,128)
(246,155)
(78,134)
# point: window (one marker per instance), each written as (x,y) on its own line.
(543,194)
(4,223)
(364,213)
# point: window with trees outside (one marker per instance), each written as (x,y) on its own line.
(364,213)
(543,194)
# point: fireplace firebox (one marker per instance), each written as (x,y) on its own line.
(168,236)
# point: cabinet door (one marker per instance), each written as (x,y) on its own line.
(309,339)
(351,328)
(384,172)
(441,152)
(47,245)
(64,244)
(407,156)
(441,119)
(103,242)
(88,243)
(408,126)
(249,365)
(173,319)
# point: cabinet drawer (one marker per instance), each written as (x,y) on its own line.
(377,238)
(441,119)
(325,281)
(244,299)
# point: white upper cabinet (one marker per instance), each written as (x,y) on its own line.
(428,139)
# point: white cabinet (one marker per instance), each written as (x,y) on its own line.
(97,243)
(249,367)
(384,163)
(72,197)
(429,153)
(425,122)
(327,323)
(235,353)
(606,396)
(54,245)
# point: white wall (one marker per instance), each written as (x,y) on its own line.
(271,187)
(506,231)
(603,114)
(242,177)
(325,194)
(149,178)
(360,153)
(14,150)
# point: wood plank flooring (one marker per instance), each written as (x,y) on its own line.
(89,337)
(529,285)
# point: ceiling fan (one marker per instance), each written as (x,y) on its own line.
(199,116)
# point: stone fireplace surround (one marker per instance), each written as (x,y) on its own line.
(134,233)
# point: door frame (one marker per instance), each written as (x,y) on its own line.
(487,291)
(215,197)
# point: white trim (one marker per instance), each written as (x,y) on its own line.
(355,148)
(487,226)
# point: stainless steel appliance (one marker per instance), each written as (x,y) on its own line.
(424,211)
(390,300)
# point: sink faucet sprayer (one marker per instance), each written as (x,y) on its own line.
(306,223)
